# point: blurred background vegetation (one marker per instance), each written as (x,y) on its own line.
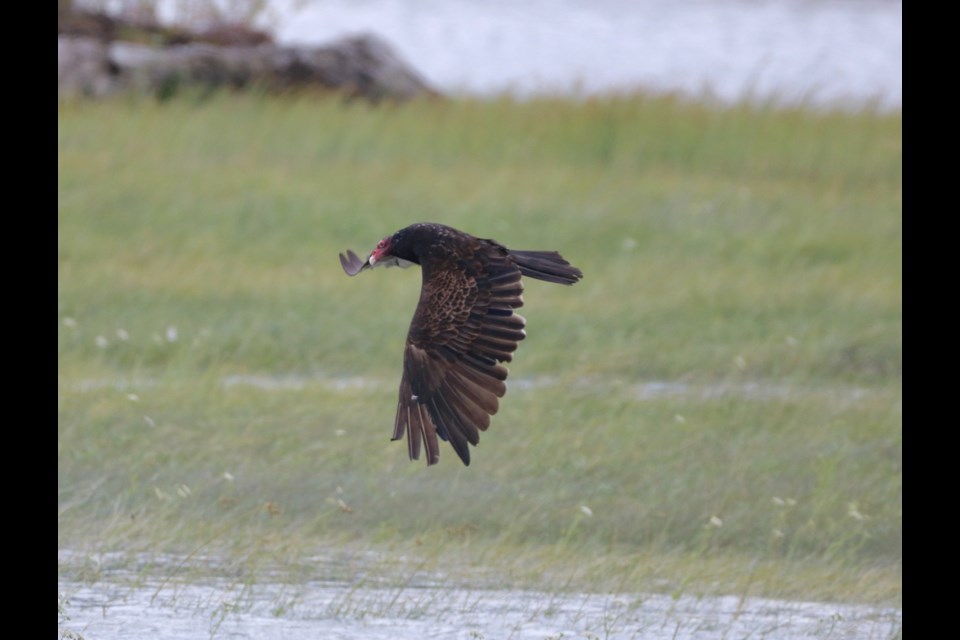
(716,407)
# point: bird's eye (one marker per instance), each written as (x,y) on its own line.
(381,244)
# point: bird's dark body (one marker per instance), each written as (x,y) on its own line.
(463,328)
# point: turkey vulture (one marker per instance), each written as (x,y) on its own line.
(464,326)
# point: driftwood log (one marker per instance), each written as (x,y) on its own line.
(362,66)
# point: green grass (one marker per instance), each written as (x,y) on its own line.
(751,258)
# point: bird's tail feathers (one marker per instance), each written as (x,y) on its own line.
(546,265)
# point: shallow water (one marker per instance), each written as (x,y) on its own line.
(122,604)
(793,51)
(647,390)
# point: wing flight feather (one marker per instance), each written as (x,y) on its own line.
(463,328)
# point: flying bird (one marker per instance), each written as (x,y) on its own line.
(464,326)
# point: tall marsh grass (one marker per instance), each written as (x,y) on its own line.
(717,406)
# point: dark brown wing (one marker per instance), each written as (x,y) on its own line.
(464,326)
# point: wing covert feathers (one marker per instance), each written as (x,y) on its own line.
(464,327)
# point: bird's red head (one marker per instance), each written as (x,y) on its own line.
(380,251)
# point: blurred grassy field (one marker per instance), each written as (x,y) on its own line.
(716,407)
